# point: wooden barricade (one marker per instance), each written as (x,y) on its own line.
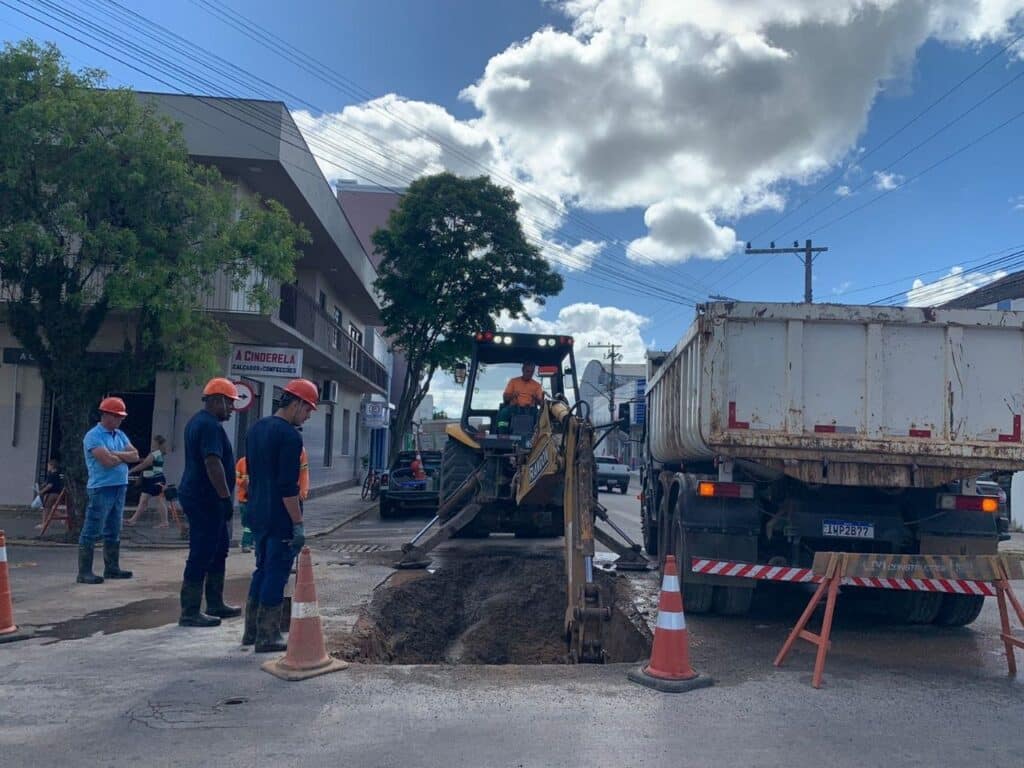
(985,575)
(57,513)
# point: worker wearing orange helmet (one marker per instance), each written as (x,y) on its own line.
(206,490)
(108,452)
(273,449)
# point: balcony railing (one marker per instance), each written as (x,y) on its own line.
(301,311)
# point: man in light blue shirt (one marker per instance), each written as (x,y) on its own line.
(108,452)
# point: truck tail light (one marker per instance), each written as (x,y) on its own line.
(954,503)
(708,490)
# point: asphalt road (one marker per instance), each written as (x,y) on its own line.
(163,695)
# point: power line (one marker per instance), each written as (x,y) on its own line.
(836,176)
(640,287)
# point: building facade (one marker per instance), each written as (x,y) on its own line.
(321,328)
(596,387)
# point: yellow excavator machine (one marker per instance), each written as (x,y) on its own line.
(529,471)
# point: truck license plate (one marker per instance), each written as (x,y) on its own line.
(848,529)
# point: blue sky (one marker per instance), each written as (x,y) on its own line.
(766,79)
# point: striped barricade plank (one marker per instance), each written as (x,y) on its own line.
(808,576)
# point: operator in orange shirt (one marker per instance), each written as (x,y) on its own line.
(524,391)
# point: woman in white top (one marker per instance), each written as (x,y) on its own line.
(153,482)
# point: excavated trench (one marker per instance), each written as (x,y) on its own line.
(484,610)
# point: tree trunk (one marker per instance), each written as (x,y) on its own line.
(75,402)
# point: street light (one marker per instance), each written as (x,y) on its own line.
(460,373)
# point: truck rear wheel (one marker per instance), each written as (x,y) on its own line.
(912,607)
(733,601)
(959,610)
(697,598)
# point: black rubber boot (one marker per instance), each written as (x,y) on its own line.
(112,561)
(268,630)
(215,605)
(85,574)
(191,599)
(252,610)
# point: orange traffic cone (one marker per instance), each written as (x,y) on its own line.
(306,656)
(9,631)
(669,668)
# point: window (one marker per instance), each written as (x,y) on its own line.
(328,437)
(357,337)
(323,300)
(338,332)
(346,423)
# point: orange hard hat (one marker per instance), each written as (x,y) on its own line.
(114,405)
(305,390)
(220,386)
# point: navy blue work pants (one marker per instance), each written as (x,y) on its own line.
(208,540)
(274,561)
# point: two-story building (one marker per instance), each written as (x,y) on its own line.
(321,328)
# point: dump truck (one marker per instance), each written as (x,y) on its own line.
(776,430)
(529,471)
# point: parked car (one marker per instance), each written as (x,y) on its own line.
(612,473)
(401,492)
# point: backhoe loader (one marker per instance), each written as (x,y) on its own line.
(529,471)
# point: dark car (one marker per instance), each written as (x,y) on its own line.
(401,492)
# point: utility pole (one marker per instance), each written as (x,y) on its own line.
(613,356)
(807,254)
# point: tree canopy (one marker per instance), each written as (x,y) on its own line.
(455,257)
(105,221)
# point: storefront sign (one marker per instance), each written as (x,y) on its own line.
(376,415)
(254,361)
(21,356)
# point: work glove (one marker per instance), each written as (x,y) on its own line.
(227,509)
(298,538)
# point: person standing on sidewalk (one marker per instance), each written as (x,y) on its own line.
(273,451)
(108,452)
(242,498)
(206,491)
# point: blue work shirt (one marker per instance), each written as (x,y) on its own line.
(272,451)
(100,476)
(204,436)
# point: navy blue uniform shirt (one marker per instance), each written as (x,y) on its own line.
(272,450)
(204,436)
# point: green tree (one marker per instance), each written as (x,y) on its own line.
(105,222)
(455,256)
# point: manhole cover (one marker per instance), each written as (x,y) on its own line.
(358,548)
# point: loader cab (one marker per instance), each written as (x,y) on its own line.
(499,357)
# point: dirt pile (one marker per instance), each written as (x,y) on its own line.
(483,610)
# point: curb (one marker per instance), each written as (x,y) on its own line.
(357,516)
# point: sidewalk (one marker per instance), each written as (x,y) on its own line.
(322,515)
(43,571)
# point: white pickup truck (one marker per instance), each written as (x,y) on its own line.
(612,473)
(774,431)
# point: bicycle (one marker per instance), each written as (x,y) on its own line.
(371,485)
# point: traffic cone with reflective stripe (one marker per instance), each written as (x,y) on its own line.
(307,655)
(9,631)
(669,668)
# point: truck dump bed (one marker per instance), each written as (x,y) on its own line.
(843,395)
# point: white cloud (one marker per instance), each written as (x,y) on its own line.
(886,181)
(843,191)
(1017,202)
(678,233)
(693,111)
(947,288)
